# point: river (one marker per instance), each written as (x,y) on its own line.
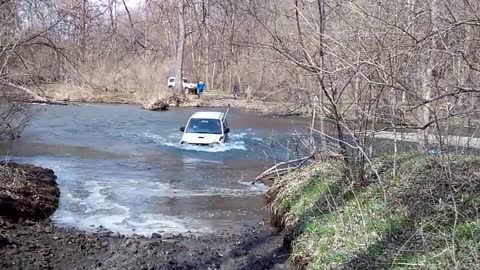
(121,168)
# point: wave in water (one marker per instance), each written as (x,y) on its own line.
(98,210)
(144,224)
(235,142)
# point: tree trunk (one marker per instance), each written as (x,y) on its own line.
(212,82)
(321,99)
(207,43)
(428,79)
(180,48)
(83,34)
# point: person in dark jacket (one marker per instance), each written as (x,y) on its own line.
(236,89)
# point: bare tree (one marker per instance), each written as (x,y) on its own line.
(181,37)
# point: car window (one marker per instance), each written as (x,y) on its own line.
(171,80)
(205,126)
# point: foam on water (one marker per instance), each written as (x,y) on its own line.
(144,224)
(164,191)
(235,142)
(255,187)
(112,215)
(152,222)
(96,200)
(98,204)
(188,160)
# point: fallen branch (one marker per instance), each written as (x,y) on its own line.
(35,98)
(277,170)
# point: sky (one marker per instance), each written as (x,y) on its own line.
(133,4)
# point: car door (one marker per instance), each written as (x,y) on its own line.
(225,127)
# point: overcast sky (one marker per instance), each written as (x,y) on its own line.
(133,3)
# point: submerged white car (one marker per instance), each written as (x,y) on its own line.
(206,128)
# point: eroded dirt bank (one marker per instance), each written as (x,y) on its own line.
(27,192)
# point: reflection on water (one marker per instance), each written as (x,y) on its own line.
(122,168)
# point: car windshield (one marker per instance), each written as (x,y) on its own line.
(206,126)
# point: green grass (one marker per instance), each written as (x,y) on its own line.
(422,215)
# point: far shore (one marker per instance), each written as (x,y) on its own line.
(210,99)
(460,141)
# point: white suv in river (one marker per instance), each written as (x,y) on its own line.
(187,86)
(206,128)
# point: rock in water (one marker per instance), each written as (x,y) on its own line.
(27,192)
(176,100)
(4,240)
(156,235)
(158,105)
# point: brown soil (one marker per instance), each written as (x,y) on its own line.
(43,246)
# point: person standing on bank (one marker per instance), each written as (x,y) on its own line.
(200,88)
(236,89)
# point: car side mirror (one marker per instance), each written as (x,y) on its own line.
(227,130)
(182,129)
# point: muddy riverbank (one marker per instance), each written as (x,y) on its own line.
(44,246)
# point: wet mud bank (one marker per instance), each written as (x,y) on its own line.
(44,246)
(28,240)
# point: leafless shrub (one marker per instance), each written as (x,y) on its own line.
(14,117)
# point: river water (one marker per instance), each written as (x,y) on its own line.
(121,168)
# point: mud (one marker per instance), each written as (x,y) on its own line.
(44,246)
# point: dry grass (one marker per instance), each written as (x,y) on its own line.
(147,96)
(75,93)
(13,181)
(67,92)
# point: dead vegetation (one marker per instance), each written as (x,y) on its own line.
(14,114)
(27,192)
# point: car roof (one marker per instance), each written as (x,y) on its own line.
(207,115)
